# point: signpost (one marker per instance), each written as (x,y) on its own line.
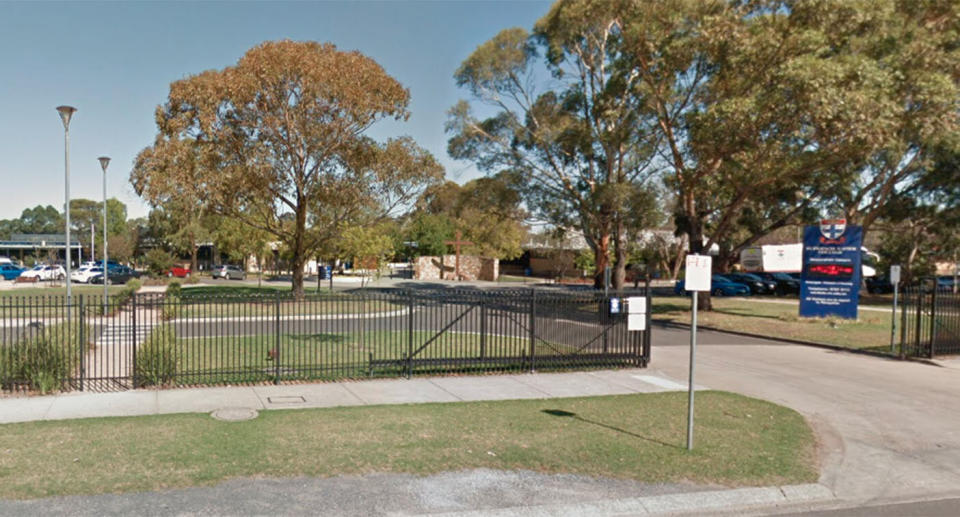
(636,313)
(830,281)
(699,269)
(895,282)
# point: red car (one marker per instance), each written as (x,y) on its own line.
(179,272)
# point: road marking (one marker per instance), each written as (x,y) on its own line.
(661,382)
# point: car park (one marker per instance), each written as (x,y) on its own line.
(228,272)
(10,272)
(756,284)
(785,284)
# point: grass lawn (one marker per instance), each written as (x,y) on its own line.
(240,300)
(231,289)
(37,302)
(870,331)
(740,441)
(238,359)
(91,290)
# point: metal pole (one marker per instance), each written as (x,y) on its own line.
(893,316)
(533,328)
(106,270)
(104,162)
(693,351)
(66,196)
(606,281)
(93,254)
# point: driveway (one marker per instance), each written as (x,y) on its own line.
(889,429)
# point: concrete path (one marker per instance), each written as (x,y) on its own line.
(888,430)
(357,393)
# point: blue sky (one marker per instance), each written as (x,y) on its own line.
(114,62)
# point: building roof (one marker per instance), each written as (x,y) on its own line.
(38,240)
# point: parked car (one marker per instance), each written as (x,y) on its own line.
(945,282)
(756,284)
(720,286)
(10,272)
(879,284)
(116,275)
(177,271)
(228,272)
(85,272)
(45,272)
(785,284)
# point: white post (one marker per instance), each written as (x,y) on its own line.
(698,278)
(693,353)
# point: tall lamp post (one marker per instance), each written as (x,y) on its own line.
(66,112)
(104,161)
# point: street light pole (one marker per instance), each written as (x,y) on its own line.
(66,112)
(104,161)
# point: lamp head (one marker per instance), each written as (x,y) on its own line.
(104,161)
(65,113)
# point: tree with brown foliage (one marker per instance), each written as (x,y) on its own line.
(278,142)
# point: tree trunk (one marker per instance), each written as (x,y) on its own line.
(259,271)
(600,259)
(193,257)
(299,253)
(620,257)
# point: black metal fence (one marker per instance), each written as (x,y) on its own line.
(191,338)
(929,320)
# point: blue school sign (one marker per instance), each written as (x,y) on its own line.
(830,281)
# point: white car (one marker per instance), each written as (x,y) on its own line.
(42,272)
(84,274)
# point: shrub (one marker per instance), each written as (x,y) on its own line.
(125,294)
(171,301)
(43,358)
(156,363)
(158,261)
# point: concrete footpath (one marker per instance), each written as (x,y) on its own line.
(334,394)
(472,493)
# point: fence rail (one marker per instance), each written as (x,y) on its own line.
(185,339)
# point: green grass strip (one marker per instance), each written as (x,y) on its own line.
(739,442)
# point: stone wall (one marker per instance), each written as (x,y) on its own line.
(443,268)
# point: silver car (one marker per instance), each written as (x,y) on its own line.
(228,272)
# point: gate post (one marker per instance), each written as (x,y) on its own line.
(903,322)
(133,344)
(409,333)
(933,319)
(83,341)
(533,328)
(483,327)
(919,321)
(276,334)
(648,329)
